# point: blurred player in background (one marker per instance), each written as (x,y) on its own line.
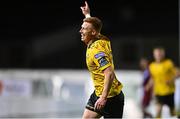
(147,94)
(163,74)
(177,93)
(108,99)
(1,86)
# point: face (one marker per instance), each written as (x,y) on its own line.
(159,54)
(87,32)
(143,64)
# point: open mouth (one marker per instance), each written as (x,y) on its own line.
(82,36)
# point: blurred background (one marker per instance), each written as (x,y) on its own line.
(42,59)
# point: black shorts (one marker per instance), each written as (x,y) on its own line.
(113,108)
(166,100)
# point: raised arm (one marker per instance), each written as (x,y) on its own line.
(86,10)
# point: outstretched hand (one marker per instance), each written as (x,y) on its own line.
(85,9)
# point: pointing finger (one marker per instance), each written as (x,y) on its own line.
(86,4)
(82,8)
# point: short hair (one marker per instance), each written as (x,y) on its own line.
(96,23)
(159,48)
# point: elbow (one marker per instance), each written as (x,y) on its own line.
(111,75)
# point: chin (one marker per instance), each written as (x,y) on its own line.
(82,40)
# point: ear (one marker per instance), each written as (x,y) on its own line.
(94,32)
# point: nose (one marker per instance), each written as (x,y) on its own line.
(80,30)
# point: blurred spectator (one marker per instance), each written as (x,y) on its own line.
(177,93)
(147,94)
(1,87)
(163,74)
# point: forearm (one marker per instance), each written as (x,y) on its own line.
(149,85)
(107,84)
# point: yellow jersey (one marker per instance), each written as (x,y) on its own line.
(98,58)
(161,73)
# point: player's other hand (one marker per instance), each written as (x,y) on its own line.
(85,9)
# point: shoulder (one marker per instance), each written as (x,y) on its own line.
(99,44)
(168,62)
(101,41)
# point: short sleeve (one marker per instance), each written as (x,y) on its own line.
(102,60)
(171,66)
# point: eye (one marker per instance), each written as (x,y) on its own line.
(82,28)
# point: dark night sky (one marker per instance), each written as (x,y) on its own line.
(23,21)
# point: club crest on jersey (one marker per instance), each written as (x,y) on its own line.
(100,54)
(103,61)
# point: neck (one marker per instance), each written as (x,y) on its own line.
(91,41)
(159,61)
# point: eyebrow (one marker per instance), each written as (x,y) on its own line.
(83,27)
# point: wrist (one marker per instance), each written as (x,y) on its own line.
(103,97)
(87,15)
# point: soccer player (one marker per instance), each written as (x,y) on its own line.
(163,74)
(107,100)
(147,94)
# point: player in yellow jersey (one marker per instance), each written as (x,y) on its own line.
(163,74)
(107,100)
